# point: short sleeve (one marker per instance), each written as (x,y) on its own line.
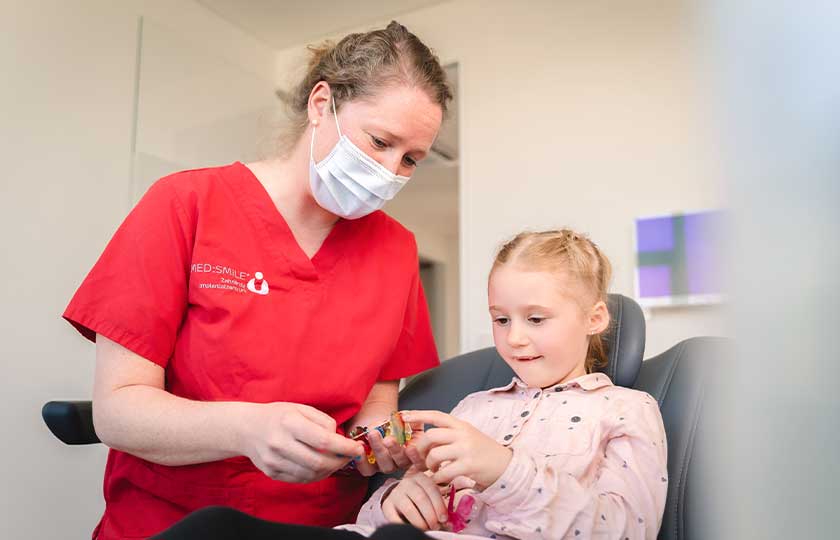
(136,293)
(415,351)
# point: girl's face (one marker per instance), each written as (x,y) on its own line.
(396,127)
(538,327)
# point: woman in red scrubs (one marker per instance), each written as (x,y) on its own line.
(246,316)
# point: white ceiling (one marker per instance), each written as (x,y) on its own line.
(286,23)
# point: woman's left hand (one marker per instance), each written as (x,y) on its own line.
(455,448)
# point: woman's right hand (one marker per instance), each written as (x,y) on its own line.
(417,500)
(295,443)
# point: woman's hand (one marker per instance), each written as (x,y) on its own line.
(416,500)
(295,443)
(455,448)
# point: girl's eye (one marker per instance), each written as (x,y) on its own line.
(536,320)
(377,142)
(501,321)
(409,161)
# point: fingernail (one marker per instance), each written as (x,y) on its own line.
(443,519)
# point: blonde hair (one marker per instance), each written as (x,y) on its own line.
(362,64)
(575,255)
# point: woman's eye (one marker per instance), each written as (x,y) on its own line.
(409,161)
(377,142)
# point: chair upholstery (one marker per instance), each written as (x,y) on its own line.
(678,379)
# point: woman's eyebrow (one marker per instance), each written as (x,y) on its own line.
(389,135)
(396,138)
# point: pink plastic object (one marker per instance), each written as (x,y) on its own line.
(458,518)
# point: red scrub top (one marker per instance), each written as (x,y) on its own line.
(205,278)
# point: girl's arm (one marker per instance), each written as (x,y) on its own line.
(536,498)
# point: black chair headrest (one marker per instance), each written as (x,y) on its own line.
(624,340)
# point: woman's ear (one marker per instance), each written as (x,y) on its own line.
(599,318)
(319,102)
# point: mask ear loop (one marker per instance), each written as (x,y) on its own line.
(336,117)
(312,140)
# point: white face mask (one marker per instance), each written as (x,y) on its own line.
(348,182)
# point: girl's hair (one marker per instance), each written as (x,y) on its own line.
(362,64)
(573,254)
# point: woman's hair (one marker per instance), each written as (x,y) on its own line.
(362,64)
(575,256)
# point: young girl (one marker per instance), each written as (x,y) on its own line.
(560,452)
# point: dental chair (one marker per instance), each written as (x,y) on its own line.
(677,379)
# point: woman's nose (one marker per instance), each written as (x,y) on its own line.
(393,163)
(391,160)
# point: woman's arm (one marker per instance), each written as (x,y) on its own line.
(132,412)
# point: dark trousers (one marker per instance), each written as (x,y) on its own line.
(221,523)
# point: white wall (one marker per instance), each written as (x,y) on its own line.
(428,206)
(67,95)
(583,114)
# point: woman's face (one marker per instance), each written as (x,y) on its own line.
(396,127)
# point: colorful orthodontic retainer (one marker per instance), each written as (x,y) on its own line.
(395,426)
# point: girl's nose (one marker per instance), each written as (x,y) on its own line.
(517,336)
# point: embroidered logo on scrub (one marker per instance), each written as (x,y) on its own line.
(218,276)
(258,284)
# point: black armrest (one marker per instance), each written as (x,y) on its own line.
(71,421)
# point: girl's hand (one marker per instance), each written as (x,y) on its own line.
(294,443)
(455,448)
(416,500)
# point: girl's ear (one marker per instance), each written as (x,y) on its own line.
(599,318)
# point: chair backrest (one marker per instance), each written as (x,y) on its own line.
(678,379)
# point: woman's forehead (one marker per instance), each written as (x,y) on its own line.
(406,113)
